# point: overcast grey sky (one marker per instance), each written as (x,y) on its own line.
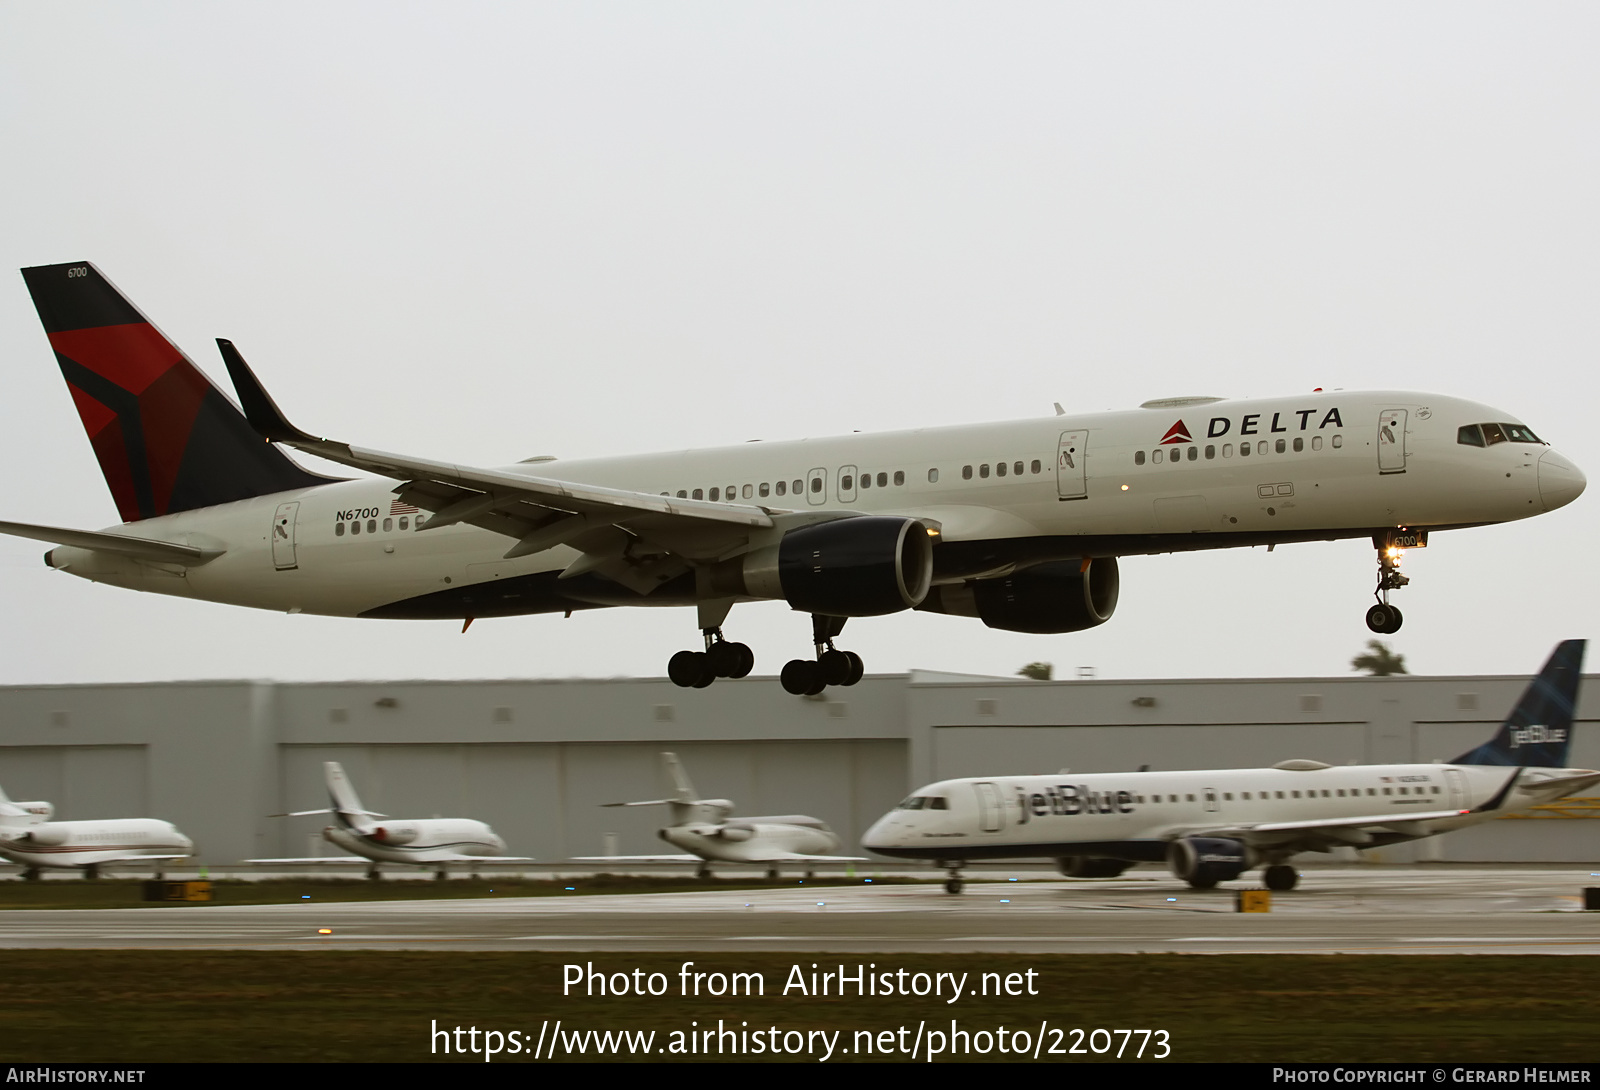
(486,231)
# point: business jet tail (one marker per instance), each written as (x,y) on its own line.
(1538,732)
(166,438)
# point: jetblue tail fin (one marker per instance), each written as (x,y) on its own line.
(167,439)
(1538,731)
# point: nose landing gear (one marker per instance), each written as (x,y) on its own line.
(1383,617)
(803,677)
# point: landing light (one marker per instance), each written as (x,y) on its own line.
(1124,488)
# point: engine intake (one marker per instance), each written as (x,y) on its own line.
(1060,596)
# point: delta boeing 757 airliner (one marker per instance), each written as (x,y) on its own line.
(1016,524)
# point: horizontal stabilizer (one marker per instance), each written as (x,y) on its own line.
(165,552)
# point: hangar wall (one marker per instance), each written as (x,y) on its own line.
(536,758)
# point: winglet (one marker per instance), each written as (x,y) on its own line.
(259,408)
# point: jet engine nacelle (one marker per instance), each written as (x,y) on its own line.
(46,836)
(1083,866)
(736,833)
(1204,861)
(395,834)
(865,566)
(1061,596)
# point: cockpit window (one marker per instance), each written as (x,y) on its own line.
(913,803)
(1519,434)
(938,802)
(1493,434)
(1469,435)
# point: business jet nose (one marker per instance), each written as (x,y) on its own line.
(880,835)
(1560,482)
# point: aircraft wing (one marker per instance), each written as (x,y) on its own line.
(796,857)
(636,859)
(140,548)
(342,859)
(539,512)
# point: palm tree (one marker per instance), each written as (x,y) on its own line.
(1038,671)
(1378,660)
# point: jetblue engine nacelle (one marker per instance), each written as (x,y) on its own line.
(1061,596)
(1204,861)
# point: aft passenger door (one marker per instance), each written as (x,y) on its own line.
(1392,441)
(1071,480)
(283,520)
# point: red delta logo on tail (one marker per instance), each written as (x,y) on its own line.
(1178,433)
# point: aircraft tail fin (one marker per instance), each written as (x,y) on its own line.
(167,439)
(1538,732)
(684,791)
(341,795)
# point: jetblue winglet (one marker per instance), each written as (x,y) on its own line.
(1538,731)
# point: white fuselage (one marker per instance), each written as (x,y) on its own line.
(86,843)
(1135,815)
(428,840)
(753,840)
(1001,495)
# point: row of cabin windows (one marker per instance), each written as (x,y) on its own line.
(1227,796)
(1487,435)
(1000,469)
(1281,446)
(372,525)
(798,487)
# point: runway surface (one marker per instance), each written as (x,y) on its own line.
(1335,910)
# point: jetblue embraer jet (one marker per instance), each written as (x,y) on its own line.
(1016,524)
(1211,826)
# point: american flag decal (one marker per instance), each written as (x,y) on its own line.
(400,508)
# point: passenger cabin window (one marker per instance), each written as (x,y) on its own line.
(338,529)
(1000,470)
(1138,457)
(966,473)
(764,491)
(983,471)
(933,476)
(1035,466)
(782,487)
(899,478)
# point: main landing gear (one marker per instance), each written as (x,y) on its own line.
(1383,617)
(804,677)
(1280,877)
(697,669)
(953,883)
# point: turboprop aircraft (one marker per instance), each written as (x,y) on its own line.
(1211,826)
(423,842)
(29,838)
(1016,524)
(705,828)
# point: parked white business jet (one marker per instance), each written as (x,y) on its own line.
(705,828)
(1211,826)
(380,839)
(31,840)
(1017,524)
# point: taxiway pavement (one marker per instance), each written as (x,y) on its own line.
(1335,910)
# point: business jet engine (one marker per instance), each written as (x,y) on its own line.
(865,566)
(46,836)
(1060,596)
(395,834)
(1204,861)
